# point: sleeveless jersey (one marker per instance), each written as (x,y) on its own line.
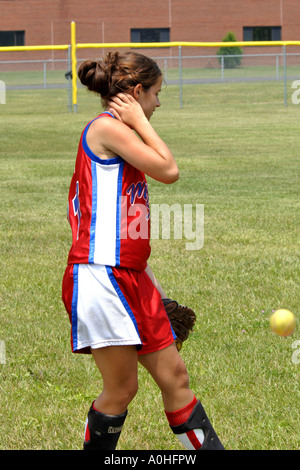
(108,210)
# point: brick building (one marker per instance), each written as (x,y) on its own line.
(35,22)
(41,22)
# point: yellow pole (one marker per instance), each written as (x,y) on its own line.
(74,66)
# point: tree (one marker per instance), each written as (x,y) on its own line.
(232,55)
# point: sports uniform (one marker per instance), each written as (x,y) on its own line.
(108,295)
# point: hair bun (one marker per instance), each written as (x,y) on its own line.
(93,75)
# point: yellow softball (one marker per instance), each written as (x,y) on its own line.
(283,322)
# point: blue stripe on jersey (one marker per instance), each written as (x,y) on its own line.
(91,154)
(74,306)
(94,212)
(122,297)
(119,214)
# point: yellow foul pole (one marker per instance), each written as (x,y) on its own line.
(74,66)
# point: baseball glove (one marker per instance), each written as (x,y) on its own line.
(182,319)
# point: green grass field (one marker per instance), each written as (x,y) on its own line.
(237,148)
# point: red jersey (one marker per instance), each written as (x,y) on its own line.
(108,210)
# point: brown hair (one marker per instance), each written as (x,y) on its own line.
(118,72)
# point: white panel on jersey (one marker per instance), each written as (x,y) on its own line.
(105,225)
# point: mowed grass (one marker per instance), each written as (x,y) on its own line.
(237,148)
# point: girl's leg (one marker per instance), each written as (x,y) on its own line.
(169,372)
(118,367)
(185,413)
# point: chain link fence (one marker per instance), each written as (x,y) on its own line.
(41,70)
(181,66)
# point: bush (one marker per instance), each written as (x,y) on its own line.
(229,53)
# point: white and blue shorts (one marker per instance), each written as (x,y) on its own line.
(111,306)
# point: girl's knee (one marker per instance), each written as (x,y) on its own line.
(181,376)
(177,378)
(125,393)
(130,391)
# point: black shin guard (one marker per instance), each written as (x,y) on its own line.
(199,420)
(103,431)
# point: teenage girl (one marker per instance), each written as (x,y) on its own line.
(113,299)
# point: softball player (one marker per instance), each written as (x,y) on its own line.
(113,299)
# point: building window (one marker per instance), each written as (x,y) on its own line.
(150,34)
(262,33)
(12,38)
